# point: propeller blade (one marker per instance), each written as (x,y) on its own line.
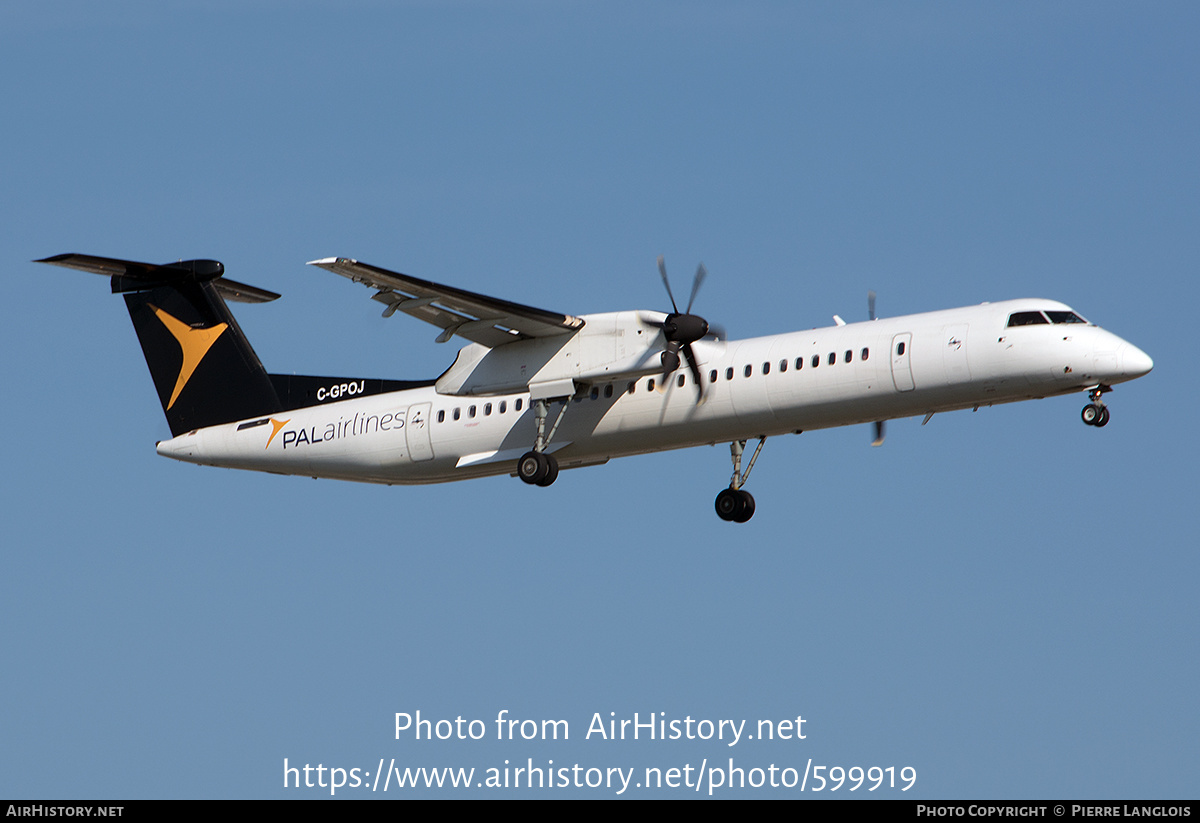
(662,269)
(879,433)
(690,356)
(701,273)
(670,360)
(871,304)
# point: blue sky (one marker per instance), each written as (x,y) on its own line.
(1004,601)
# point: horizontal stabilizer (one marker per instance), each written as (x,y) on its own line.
(132,276)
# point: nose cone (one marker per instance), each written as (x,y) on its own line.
(1134,361)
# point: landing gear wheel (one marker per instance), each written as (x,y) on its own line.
(551,470)
(533,467)
(729,502)
(734,505)
(1092,413)
(1102,420)
(747,509)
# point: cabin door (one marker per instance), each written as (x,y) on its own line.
(419,446)
(901,362)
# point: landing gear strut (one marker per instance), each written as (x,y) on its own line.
(536,467)
(735,503)
(1096,413)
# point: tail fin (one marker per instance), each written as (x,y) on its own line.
(203,367)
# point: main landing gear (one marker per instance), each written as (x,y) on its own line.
(1096,413)
(735,503)
(537,468)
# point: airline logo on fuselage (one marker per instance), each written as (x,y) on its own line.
(341,429)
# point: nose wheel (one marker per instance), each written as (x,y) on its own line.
(1096,413)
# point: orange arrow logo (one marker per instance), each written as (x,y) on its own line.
(195,343)
(276,425)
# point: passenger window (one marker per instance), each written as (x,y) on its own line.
(900,349)
(849,355)
(749,370)
(712,376)
(650,384)
(608,390)
(766,368)
(679,382)
(832,358)
(487,409)
(441,415)
(457,413)
(471,411)
(1027,318)
(729,373)
(816,360)
(503,406)
(632,387)
(783,365)
(595,392)
(866,353)
(518,404)
(799,363)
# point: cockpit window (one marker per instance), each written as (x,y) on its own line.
(1064,317)
(1027,318)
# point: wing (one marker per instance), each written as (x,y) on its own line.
(477,317)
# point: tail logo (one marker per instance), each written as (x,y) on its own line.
(195,344)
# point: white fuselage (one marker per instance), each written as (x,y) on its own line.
(834,376)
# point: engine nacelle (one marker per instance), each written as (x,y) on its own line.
(611,346)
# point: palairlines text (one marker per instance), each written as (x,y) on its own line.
(359,424)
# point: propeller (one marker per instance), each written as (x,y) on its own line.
(879,433)
(682,329)
(879,424)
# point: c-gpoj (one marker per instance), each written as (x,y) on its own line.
(535,391)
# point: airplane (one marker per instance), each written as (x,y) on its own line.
(534,391)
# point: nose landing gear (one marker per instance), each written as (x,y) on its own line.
(1096,413)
